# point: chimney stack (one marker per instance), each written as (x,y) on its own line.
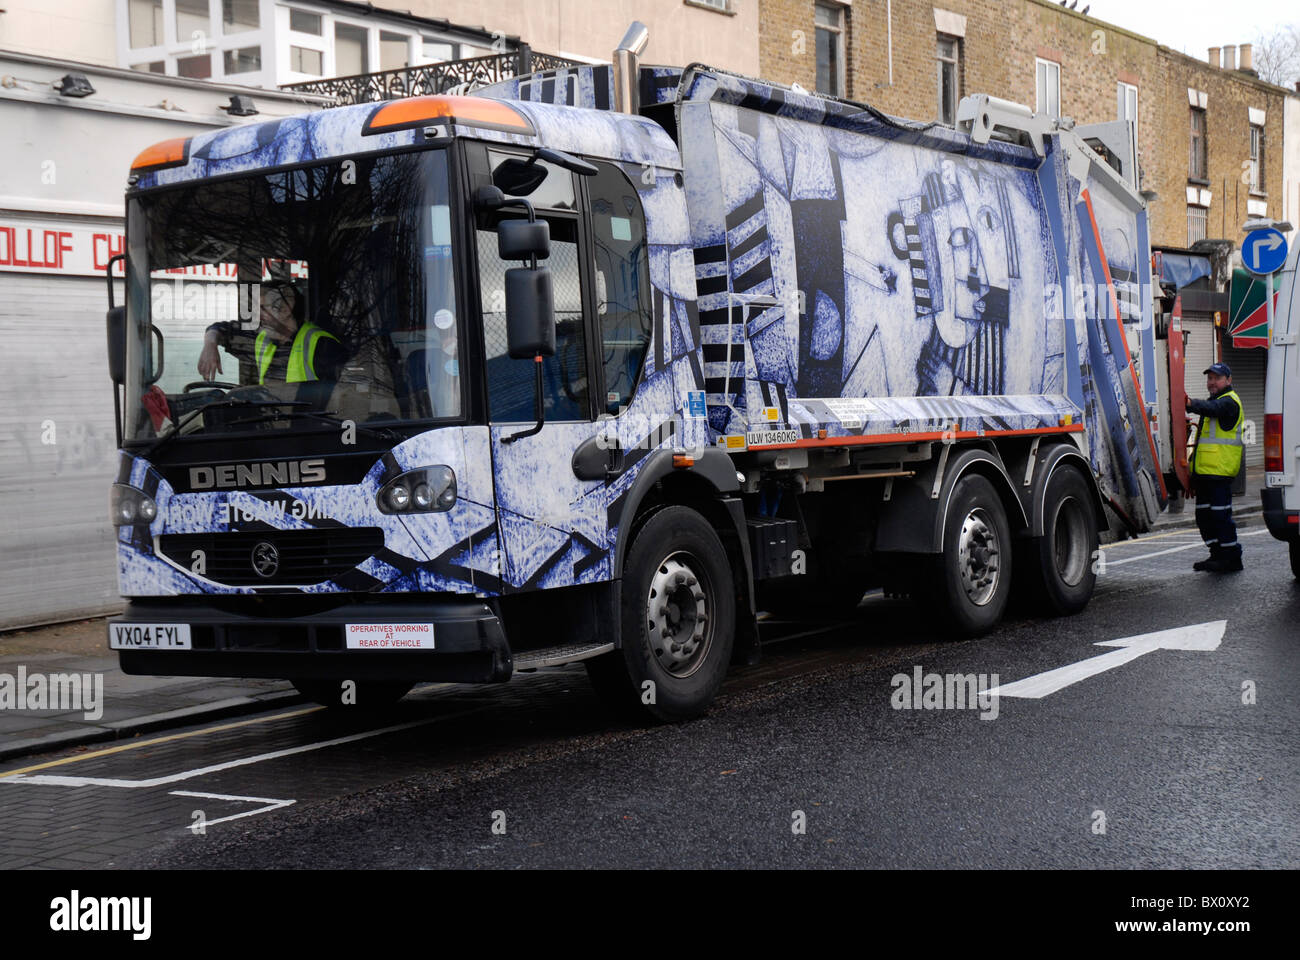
(1245,63)
(1230,57)
(1214,56)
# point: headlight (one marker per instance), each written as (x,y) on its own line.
(128,506)
(423,490)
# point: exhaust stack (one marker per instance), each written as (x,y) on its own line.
(627,68)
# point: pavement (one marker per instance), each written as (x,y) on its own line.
(133,705)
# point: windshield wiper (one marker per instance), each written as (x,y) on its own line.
(328,416)
(223,402)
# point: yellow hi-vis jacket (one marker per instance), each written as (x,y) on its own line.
(1218,451)
(301,354)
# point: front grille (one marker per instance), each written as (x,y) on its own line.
(302,556)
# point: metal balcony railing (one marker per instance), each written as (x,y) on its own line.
(433,78)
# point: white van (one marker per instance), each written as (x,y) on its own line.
(1281,494)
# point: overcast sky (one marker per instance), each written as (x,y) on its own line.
(1193,26)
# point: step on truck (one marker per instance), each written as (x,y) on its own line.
(596,364)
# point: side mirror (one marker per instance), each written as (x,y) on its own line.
(117,345)
(522,239)
(518,177)
(530,313)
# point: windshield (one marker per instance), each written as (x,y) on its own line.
(288,300)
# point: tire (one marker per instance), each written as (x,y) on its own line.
(971,582)
(369,695)
(677,586)
(1295,558)
(1058,575)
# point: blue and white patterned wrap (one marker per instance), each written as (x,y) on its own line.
(814,267)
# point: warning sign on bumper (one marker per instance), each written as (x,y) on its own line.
(389,636)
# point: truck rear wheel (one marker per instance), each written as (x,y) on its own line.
(973,580)
(1059,574)
(367,694)
(677,620)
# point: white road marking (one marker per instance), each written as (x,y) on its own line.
(1158,553)
(268,805)
(64,781)
(1200,636)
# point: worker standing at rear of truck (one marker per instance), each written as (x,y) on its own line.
(1214,464)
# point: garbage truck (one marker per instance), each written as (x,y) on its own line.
(599,363)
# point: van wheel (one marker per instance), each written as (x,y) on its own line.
(368,694)
(1295,558)
(1059,572)
(677,621)
(971,585)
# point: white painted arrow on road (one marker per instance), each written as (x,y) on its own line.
(1200,636)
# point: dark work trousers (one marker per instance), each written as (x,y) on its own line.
(1214,517)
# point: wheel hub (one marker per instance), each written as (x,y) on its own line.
(979,557)
(678,622)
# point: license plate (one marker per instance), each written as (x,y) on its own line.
(149,636)
(1277,480)
(389,636)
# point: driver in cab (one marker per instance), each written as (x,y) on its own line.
(285,349)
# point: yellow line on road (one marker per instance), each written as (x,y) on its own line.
(157,740)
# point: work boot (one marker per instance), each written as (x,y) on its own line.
(1205,564)
(1230,565)
(1212,566)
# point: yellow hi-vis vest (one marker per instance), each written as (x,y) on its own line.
(301,354)
(1218,451)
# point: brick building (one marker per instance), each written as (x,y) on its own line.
(1203,129)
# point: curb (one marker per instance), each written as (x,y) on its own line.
(125,729)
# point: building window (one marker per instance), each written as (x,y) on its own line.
(157,66)
(1256,158)
(245,60)
(191,19)
(306,60)
(394,50)
(1126,96)
(351,50)
(300,21)
(1196,221)
(722,5)
(830,49)
(238,16)
(145,20)
(438,51)
(948,55)
(1048,87)
(1198,168)
(196,68)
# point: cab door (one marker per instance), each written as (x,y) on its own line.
(553,527)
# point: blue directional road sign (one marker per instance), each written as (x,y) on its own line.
(1263,251)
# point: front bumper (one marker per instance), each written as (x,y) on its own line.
(230,641)
(1282,523)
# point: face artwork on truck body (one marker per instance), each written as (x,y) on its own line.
(965,263)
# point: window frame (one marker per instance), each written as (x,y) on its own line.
(955,64)
(479,171)
(1122,90)
(1257,168)
(1205,218)
(1039,91)
(1198,161)
(837,33)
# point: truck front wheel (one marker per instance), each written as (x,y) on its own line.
(973,579)
(678,621)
